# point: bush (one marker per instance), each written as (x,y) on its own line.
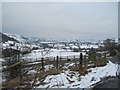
(10,52)
(75,50)
(110,46)
(25,52)
(113,53)
(35,48)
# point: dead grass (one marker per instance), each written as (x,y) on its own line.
(98,63)
(93,63)
(54,71)
(25,80)
(82,71)
(13,83)
(41,83)
(74,68)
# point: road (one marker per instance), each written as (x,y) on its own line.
(112,82)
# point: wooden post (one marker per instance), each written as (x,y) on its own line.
(84,57)
(81,58)
(42,59)
(19,57)
(74,57)
(80,61)
(94,57)
(89,56)
(100,55)
(57,63)
(75,60)
(67,57)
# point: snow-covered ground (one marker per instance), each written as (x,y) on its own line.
(63,80)
(89,46)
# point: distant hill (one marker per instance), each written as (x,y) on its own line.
(6,38)
(22,38)
(16,37)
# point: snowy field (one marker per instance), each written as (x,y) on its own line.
(51,53)
(64,79)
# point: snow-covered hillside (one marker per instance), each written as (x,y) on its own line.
(23,44)
(17,37)
(23,39)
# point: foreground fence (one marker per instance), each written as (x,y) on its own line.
(57,61)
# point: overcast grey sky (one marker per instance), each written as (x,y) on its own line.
(89,20)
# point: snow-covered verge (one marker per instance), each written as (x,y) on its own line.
(70,79)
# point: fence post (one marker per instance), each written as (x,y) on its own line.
(75,60)
(20,65)
(85,61)
(84,57)
(100,56)
(19,57)
(67,57)
(74,57)
(80,61)
(89,56)
(57,63)
(42,63)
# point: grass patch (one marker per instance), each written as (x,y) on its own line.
(53,72)
(13,83)
(40,83)
(97,63)
(25,81)
(74,68)
(88,64)
(82,71)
